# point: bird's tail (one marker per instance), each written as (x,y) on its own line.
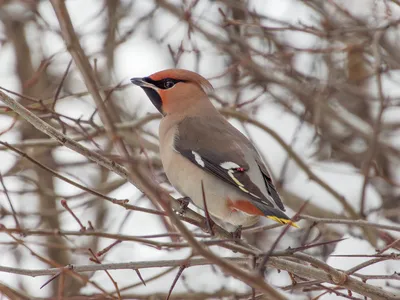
(275,214)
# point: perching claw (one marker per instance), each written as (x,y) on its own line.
(183,203)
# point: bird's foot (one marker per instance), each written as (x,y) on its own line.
(237,234)
(183,203)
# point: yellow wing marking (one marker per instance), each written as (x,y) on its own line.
(239,184)
(230,172)
(243,189)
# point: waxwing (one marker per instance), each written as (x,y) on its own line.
(199,147)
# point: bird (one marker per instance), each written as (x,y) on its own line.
(206,158)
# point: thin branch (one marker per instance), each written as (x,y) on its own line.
(65,205)
(180,271)
(14,214)
(360,223)
(373,145)
(86,189)
(299,269)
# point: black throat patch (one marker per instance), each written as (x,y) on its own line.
(154,98)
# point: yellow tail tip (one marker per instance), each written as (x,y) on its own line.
(283,221)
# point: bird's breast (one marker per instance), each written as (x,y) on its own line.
(188,178)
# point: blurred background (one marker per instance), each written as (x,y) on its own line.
(315,85)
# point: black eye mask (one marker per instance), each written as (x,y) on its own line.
(163,84)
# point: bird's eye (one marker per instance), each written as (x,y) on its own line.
(168,84)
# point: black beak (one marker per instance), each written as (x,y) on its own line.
(142,83)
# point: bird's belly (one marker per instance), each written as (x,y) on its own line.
(187,178)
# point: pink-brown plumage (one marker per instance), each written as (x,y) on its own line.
(198,145)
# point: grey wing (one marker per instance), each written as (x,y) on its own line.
(214,146)
(271,189)
(269,184)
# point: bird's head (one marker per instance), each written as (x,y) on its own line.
(174,90)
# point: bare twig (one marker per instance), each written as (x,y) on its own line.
(360,223)
(65,205)
(14,214)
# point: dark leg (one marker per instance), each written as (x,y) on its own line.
(184,203)
(237,234)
